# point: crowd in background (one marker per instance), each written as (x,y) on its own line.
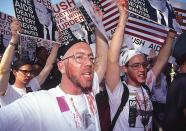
(72,79)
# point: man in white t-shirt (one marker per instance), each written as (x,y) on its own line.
(137,113)
(71,105)
(22,71)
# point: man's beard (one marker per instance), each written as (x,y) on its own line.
(76,82)
(85,89)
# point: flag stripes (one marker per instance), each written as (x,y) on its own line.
(148,31)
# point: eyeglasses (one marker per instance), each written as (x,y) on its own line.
(137,66)
(81,57)
(26,72)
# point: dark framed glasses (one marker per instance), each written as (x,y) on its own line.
(26,72)
(137,66)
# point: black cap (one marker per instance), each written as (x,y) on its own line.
(64,48)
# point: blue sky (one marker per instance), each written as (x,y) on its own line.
(7,7)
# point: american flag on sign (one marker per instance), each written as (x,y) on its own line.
(180,10)
(136,30)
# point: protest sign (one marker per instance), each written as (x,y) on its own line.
(140,33)
(24,12)
(39,27)
(159,11)
(28,46)
(5,31)
(96,14)
(73,23)
(180,11)
(36,18)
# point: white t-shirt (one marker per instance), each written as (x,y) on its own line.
(13,93)
(135,102)
(51,110)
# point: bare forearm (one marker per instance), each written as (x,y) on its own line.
(167,48)
(53,55)
(5,66)
(9,52)
(164,54)
(117,40)
(7,59)
(101,55)
(113,69)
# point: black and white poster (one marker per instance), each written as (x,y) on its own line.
(159,11)
(5,21)
(96,14)
(73,23)
(28,46)
(140,33)
(36,18)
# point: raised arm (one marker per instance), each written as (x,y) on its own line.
(7,58)
(164,53)
(113,69)
(101,55)
(49,64)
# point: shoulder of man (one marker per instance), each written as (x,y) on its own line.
(37,95)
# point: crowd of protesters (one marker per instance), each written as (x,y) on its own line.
(59,91)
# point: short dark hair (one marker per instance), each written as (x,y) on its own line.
(181,59)
(39,49)
(21,62)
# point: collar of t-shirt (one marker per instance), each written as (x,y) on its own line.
(133,90)
(21,91)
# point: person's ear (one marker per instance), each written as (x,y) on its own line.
(123,69)
(61,66)
(14,72)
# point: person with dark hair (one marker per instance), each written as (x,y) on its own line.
(158,93)
(40,59)
(175,119)
(22,70)
(37,68)
(41,55)
(136,114)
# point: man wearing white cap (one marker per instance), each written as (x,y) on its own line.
(137,112)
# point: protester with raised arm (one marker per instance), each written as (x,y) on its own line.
(22,70)
(137,112)
(71,105)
